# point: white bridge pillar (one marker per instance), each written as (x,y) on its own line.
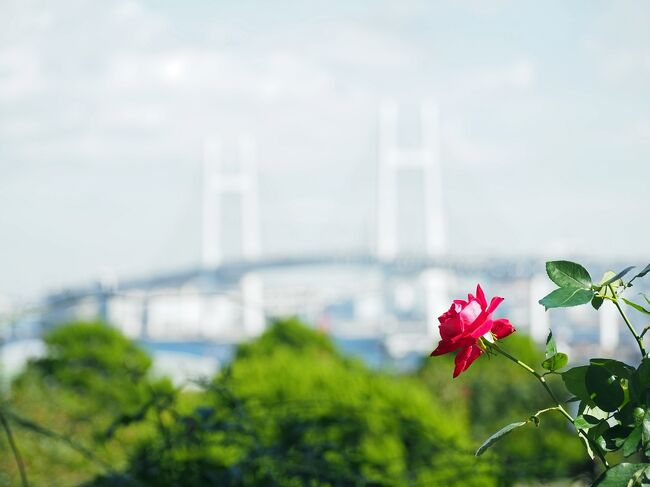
(609,321)
(437,298)
(217,183)
(244,183)
(539,326)
(392,159)
(426,158)
(252,291)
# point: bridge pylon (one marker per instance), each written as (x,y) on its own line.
(217,183)
(392,159)
(609,327)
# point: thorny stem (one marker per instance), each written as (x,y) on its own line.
(558,405)
(14,449)
(637,337)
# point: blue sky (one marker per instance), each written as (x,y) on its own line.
(104,106)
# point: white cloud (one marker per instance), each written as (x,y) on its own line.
(20,73)
(619,42)
(129,10)
(487,80)
(360,46)
(476,150)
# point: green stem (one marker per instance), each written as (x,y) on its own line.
(558,405)
(14,449)
(542,411)
(637,337)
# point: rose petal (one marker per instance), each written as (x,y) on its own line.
(501,328)
(480,296)
(445,346)
(451,328)
(465,358)
(482,328)
(494,303)
(479,328)
(452,311)
(469,314)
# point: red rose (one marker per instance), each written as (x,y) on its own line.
(465,323)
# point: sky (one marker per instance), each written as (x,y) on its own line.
(105,107)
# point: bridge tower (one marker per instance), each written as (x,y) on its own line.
(426,158)
(216,183)
(539,324)
(392,158)
(609,323)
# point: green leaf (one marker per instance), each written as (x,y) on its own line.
(498,435)
(574,381)
(556,362)
(597,302)
(615,367)
(596,412)
(551,346)
(615,436)
(585,421)
(618,476)
(643,272)
(632,442)
(637,307)
(646,472)
(643,373)
(565,297)
(616,277)
(640,380)
(595,434)
(568,274)
(603,388)
(645,431)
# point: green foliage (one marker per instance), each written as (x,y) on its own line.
(603,388)
(621,475)
(613,397)
(645,270)
(94,361)
(568,274)
(575,286)
(615,277)
(289,333)
(290,411)
(554,360)
(498,435)
(498,392)
(574,381)
(565,297)
(64,404)
(637,307)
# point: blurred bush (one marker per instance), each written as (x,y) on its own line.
(288,411)
(65,403)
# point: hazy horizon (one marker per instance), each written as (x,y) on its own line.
(104,108)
